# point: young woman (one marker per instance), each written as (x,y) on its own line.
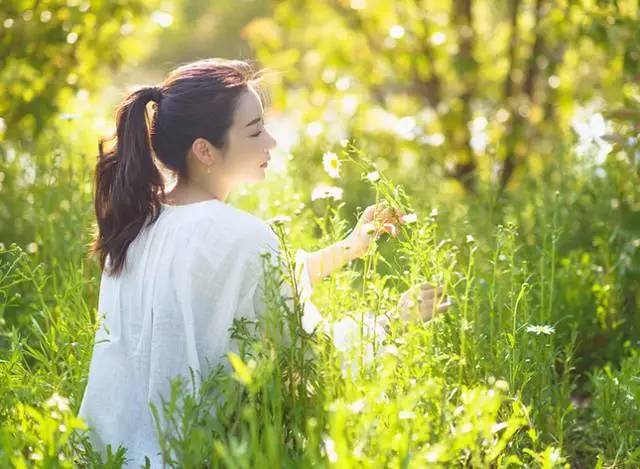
(179,266)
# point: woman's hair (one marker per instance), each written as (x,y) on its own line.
(197,99)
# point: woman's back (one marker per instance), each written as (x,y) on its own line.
(186,277)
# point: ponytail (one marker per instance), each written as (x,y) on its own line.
(197,99)
(127,181)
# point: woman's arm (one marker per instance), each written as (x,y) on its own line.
(327,260)
(375,220)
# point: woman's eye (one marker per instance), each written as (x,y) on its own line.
(257,133)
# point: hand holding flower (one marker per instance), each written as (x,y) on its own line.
(375,220)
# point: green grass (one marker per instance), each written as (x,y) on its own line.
(534,365)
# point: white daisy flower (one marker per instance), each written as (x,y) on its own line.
(357,406)
(279,219)
(330,449)
(373,176)
(542,329)
(406,415)
(326,192)
(409,218)
(58,402)
(331,164)
(591,129)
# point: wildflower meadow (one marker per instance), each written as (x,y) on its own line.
(508,136)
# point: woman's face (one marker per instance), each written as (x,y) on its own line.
(249,141)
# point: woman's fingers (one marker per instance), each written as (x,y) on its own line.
(428,291)
(372,212)
(390,228)
(433,301)
(385,213)
(384,217)
(428,287)
(382,210)
(396,216)
(431,292)
(423,301)
(387,221)
(380,207)
(442,306)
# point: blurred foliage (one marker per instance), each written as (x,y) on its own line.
(205,29)
(51,50)
(57,60)
(46,436)
(461,88)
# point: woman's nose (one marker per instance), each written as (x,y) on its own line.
(273,141)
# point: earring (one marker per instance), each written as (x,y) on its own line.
(209,170)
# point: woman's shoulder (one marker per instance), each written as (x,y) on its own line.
(226,225)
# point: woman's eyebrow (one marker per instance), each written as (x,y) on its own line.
(254,121)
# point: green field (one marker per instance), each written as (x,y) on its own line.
(511,130)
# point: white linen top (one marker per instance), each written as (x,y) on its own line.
(186,277)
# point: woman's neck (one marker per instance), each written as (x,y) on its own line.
(184,192)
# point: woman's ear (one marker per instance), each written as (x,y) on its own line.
(204,152)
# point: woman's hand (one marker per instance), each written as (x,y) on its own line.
(422,301)
(375,220)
